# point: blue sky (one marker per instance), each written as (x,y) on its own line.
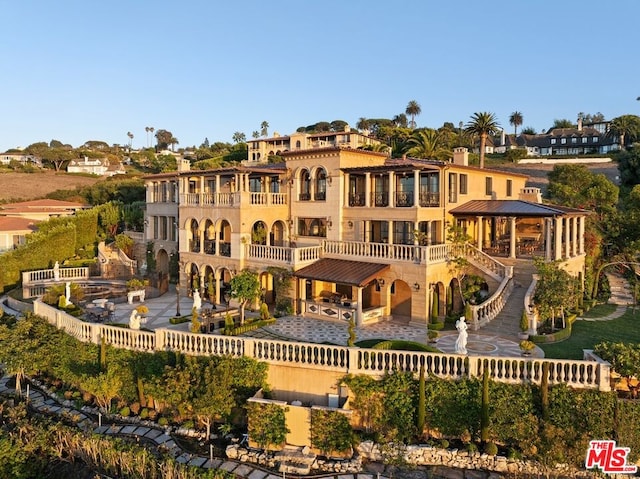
(84,70)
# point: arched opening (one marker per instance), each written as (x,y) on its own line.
(209,237)
(454,299)
(225,238)
(162,262)
(400,299)
(193,277)
(277,233)
(194,237)
(209,286)
(268,294)
(259,233)
(305,186)
(321,185)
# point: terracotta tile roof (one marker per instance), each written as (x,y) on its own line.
(356,273)
(44,204)
(9,223)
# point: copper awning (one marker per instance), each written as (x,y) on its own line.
(355,273)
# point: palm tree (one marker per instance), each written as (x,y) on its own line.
(625,126)
(516,120)
(255,135)
(413,109)
(363,124)
(264,128)
(427,144)
(400,120)
(483,124)
(130,135)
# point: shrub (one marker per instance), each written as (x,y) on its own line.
(491,449)
(264,311)
(444,444)
(142,309)
(472,447)
(144,413)
(524,322)
(135,408)
(125,411)
(162,422)
(436,326)
(153,415)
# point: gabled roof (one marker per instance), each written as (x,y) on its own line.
(356,273)
(513,208)
(41,205)
(9,223)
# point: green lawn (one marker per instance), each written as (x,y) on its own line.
(600,311)
(586,334)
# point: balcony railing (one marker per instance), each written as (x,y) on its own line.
(282,254)
(380,199)
(233,199)
(304,197)
(210,246)
(429,200)
(356,199)
(404,198)
(320,196)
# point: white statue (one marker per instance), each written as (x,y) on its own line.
(461,342)
(134,320)
(67,293)
(56,271)
(197,300)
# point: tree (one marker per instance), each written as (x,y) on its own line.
(516,120)
(563,123)
(629,166)
(556,290)
(264,128)
(338,125)
(363,124)
(626,127)
(458,264)
(427,144)
(624,359)
(148,129)
(215,398)
(400,120)
(255,135)
(163,139)
(105,387)
(482,124)
(528,130)
(413,109)
(239,137)
(130,135)
(245,287)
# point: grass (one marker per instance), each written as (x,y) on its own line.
(586,334)
(600,311)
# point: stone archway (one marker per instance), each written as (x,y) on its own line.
(400,299)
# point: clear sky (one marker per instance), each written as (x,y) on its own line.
(78,70)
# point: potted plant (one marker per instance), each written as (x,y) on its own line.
(432,334)
(526,347)
(524,326)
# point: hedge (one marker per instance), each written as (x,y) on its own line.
(245,328)
(560,335)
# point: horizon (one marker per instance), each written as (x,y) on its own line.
(78,72)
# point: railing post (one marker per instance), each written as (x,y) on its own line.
(352,364)
(159,340)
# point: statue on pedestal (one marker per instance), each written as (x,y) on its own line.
(134,320)
(461,342)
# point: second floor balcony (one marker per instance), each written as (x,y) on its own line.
(233,199)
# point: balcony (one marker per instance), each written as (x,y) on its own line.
(320,196)
(404,199)
(194,246)
(356,199)
(429,200)
(234,199)
(210,246)
(282,255)
(380,199)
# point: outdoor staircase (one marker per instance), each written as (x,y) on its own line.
(113,263)
(507,322)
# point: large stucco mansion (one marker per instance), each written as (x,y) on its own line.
(365,235)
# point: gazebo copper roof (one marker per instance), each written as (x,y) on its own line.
(355,273)
(512,208)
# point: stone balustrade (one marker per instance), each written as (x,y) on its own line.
(515,370)
(484,313)
(64,274)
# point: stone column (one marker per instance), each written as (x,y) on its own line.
(392,189)
(512,237)
(574,241)
(367,189)
(581,234)
(567,237)
(416,188)
(359,307)
(429,233)
(391,232)
(557,238)
(547,239)
(480,220)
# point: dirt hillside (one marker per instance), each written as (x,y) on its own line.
(26,186)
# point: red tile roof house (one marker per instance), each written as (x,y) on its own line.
(14,230)
(40,210)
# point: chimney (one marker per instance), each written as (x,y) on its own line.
(461,156)
(530,194)
(184,165)
(503,138)
(580,123)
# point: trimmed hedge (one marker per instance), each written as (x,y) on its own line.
(437,326)
(560,335)
(245,328)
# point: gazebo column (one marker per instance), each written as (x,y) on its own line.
(390,230)
(557,238)
(416,189)
(512,237)
(480,220)
(392,189)
(216,275)
(581,234)
(567,237)
(574,243)
(547,239)
(359,307)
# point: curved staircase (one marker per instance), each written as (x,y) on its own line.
(114,264)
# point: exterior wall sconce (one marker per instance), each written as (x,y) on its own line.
(381,281)
(350,224)
(290,223)
(329,180)
(329,222)
(416,287)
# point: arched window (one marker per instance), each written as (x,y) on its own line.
(305,186)
(321,185)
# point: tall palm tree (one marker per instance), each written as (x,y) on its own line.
(516,120)
(255,134)
(400,120)
(483,124)
(264,128)
(130,135)
(413,109)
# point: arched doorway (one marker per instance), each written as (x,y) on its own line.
(400,299)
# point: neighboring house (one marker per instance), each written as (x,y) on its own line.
(13,232)
(365,235)
(40,210)
(22,158)
(260,149)
(95,166)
